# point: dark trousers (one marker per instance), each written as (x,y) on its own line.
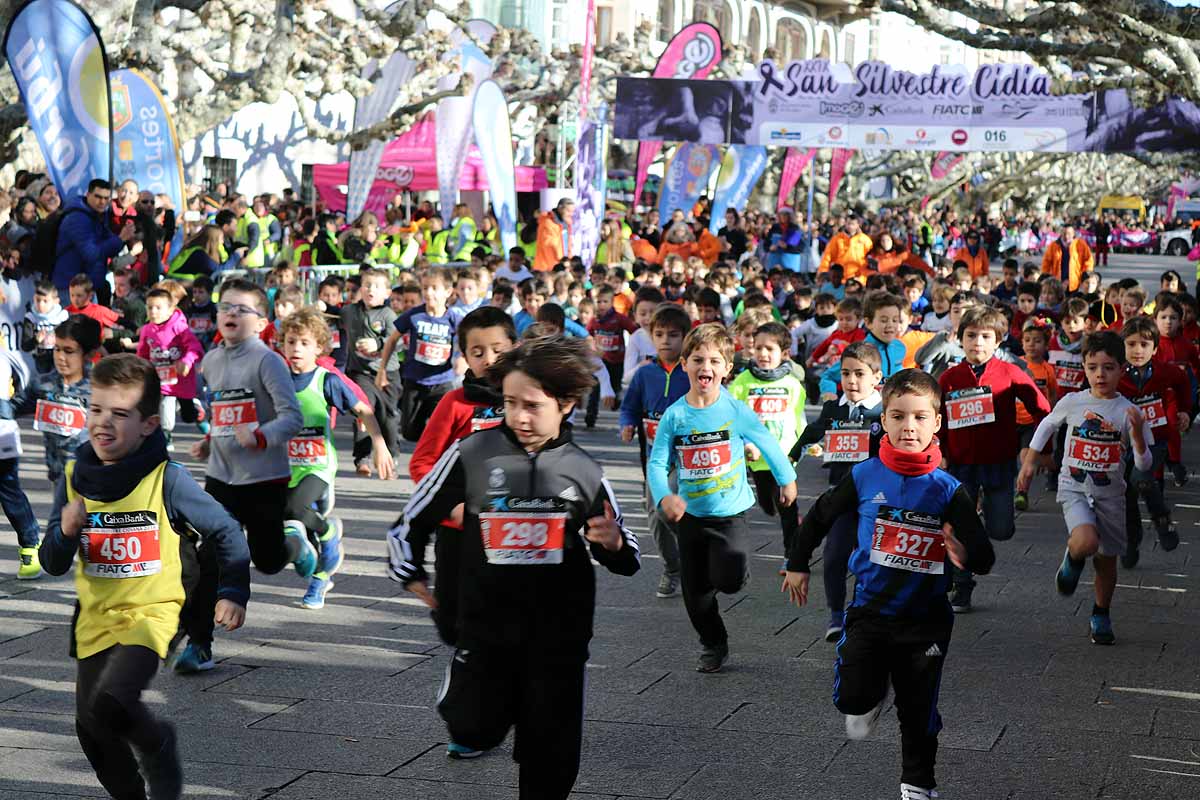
(386,405)
(309,502)
(768,500)
(446,548)
(712,558)
(417,402)
(835,559)
(16,504)
(490,690)
(999,515)
(111,720)
(616,373)
(259,507)
(909,652)
(1144,485)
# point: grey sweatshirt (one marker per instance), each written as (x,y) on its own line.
(251,366)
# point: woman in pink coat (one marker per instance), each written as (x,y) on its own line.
(167,343)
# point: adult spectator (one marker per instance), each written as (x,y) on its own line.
(325,248)
(45,196)
(23,221)
(124,204)
(85,243)
(974,254)
(204,254)
(249,233)
(785,241)
(849,247)
(733,238)
(554,235)
(1068,258)
(1101,230)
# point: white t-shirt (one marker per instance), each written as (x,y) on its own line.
(812,335)
(1097,438)
(637,350)
(508,274)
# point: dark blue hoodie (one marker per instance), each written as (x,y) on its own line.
(85,244)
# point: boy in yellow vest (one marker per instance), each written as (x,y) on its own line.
(119,505)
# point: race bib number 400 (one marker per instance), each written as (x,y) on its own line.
(230,408)
(1093,451)
(60,417)
(1152,409)
(966,408)
(120,544)
(769,402)
(703,455)
(908,540)
(307,448)
(848,444)
(528,531)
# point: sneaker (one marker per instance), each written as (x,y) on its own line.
(1132,556)
(837,623)
(306,560)
(332,551)
(712,659)
(1068,576)
(204,427)
(362,468)
(1180,474)
(668,585)
(29,567)
(960,599)
(1168,535)
(161,770)
(318,586)
(194,658)
(1022,504)
(461,751)
(860,726)
(1102,632)
(910,792)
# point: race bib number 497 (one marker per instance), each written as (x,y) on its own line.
(703,455)
(908,540)
(230,408)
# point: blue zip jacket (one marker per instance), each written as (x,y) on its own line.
(652,390)
(85,244)
(899,526)
(706,446)
(891,354)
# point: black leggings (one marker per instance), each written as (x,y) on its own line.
(303,502)
(712,558)
(111,720)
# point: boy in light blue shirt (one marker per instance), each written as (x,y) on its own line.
(707,436)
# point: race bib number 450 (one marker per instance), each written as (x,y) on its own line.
(703,455)
(966,408)
(528,531)
(908,540)
(120,544)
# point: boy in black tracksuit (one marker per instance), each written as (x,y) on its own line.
(914,520)
(536,511)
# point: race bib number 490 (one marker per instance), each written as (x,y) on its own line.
(703,455)
(230,408)
(908,540)
(1093,451)
(120,544)
(526,532)
(966,408)
(59,417)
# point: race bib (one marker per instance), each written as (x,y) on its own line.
(486,417)
(335,338)
(434,352)
(703,455)
(168,374)
(528,531)
(200,325)
(769,402)
(908,540)
(849,444)
(1152,409)
(308,448)
(1068,372)
(609,342)
(650,426)
(61,417)
(230,408)
(966,408)
(120,544)
(1093,451)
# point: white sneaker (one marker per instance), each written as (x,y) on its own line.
(860,726)
(910,792)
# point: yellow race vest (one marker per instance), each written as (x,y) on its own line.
(128,575)
(256,257)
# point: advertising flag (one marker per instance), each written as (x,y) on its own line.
(453,122)
(837,169)
(494,140)
(369,110)
(686,177)
(691,53)
(58,60)
(741,168)
(591,185)
(793,168)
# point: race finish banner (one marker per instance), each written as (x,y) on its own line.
(998,108)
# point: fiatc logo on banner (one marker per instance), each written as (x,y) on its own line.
(58,60)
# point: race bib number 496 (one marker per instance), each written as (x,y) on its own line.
(120,544)
(703,455)
(908,540)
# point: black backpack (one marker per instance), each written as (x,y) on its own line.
(45,242)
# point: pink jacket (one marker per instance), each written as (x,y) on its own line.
(168,347)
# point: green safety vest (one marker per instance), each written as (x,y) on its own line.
(298,252)
(178,261)
(258,256)
(311,451)
(436,251)
(271,248)
(463,253)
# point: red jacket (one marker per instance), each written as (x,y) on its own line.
(609,336)
(1168,385)
(991,442)
(830,350)
(1177,350)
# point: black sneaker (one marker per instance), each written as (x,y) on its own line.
(712,659)
(960,599)
(161,770)
(1132,549)
(1179,473)
(1168,535)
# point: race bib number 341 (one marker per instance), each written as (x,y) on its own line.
(908,540)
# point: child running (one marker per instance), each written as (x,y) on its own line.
(119,508)
(1101,426)
(167,342)
(1035,343)
(312,454)
(703,435)
(536,510)
(913,518)
(61,411)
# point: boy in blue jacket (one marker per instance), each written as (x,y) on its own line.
(704,436)
(883,314)
(654,388)
(913,519)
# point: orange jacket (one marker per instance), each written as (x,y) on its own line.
(1081,262)
(643,249)
(851,253)
(977,264)
(888,263)
(709,246)
(684,250)
(550,242)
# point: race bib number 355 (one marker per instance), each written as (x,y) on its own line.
(703,455)
(908,540)
(849,444)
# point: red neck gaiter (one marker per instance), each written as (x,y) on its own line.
(910,464)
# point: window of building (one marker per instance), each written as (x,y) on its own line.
(308,189)
(790,41)
(754,37)
(604,17)
(219,170)
(848,53)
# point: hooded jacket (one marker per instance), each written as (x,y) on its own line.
(170,344)
(85,244)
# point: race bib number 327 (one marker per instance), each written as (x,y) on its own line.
(908,540)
